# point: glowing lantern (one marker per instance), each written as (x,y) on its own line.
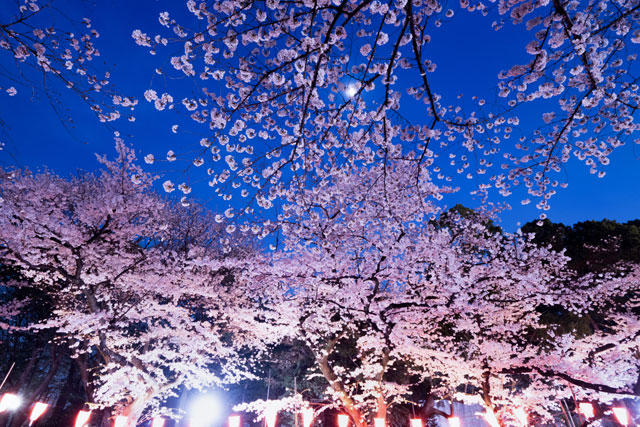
(307,417)
(10,402)
(82,419)
(621,415)
(158,422)
(521,416)
(586,409)
(416,422)
(38,409)
(234,421)
(454,422)
(378,422)
(343,420)
(270,415)
(121,421)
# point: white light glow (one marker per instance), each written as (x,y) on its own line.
(490,418)
(204,411)
(38,409)
(10,402)
(454,422)
(351,91)
(415,422)
(343,420)
(158,422)
(622,415)
(521,416)
(234,421)
(120,421)
(378,422)
(82,419)
(586,409)
(307,417)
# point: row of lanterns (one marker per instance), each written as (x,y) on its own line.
(10,402)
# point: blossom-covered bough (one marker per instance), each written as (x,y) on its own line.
(138,295)
(292,90)
(49,53)
(413,297)
(329,110)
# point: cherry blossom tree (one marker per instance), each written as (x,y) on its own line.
(50,52)
(142,314)
(292,90)
(413,297)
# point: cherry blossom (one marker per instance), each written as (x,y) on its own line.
(133,281)
(318,83)
(61,55)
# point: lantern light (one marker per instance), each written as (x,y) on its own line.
(454,422)
(10,402)
(307,417)
(586,409)
(343,420)
(521,416)
(416,422)
(121,421)
(82,419)
(622,415)
(158,422)
(234,421)
(271,415)
(378,422)
(38,409)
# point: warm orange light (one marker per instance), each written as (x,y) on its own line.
(10,402)
(521,416)
(234,421)
(586,409)
(622,415)
(82,419)
(158,422)
(307,417)
(38,409)
(343,420)
(270,416)
(378,422)
(454,422)
(415,422)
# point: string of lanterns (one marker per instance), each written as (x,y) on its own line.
(11,402)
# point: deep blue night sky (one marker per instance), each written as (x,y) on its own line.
(468,53)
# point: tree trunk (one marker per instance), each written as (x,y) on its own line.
(57,411)
(336,384)
(83,365)
(134,410)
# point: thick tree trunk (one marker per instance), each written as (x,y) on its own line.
(83,366)
(336,384)
(134,410)
(57,411)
